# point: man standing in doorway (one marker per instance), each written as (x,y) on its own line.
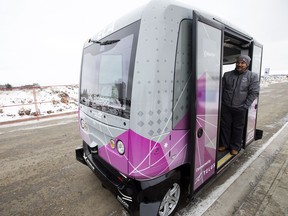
(240,88)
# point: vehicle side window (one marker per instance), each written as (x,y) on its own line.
(182,78)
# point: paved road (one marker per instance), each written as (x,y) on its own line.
(270,195)
(40,176)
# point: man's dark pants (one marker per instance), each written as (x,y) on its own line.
(232,126)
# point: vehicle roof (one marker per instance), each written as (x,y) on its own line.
(142,13)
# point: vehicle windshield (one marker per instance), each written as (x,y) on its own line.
(107,72)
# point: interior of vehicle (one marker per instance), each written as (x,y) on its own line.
(233,47)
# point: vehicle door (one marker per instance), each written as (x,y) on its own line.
(207,68)
(253,109)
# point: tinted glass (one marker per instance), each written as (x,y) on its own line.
(182,79)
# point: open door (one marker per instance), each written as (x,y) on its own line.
(253,109)
(207,61)
(235,43)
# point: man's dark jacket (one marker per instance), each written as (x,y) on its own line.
(239,90)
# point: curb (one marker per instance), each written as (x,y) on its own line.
(37,118)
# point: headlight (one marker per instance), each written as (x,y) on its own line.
(83,125)
(120,147)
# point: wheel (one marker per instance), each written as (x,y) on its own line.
(170,201)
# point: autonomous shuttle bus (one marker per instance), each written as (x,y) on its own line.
(150,103)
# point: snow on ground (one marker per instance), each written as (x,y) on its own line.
(267,80)
(18,103)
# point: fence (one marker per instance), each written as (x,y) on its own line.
(34,102)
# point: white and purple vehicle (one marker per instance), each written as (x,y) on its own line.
(150,103)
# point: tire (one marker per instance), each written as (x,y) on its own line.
(170,201)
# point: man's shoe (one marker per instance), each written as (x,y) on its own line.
(222,149)
(234,152)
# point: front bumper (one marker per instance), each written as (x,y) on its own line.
(124,188)
(138,197)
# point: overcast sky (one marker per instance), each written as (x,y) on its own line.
(41,40)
